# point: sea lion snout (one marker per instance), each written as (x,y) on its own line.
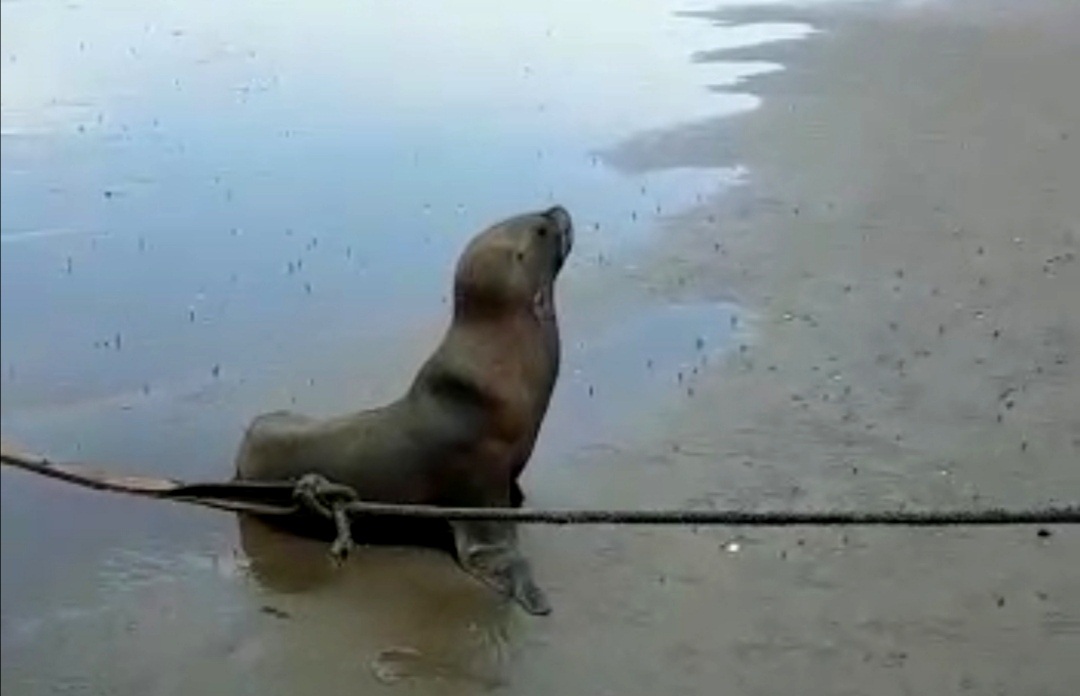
(560,216)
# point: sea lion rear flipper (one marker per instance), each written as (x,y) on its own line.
(489,552)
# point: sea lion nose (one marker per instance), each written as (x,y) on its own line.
(561,217)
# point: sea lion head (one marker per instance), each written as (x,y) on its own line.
(505,268)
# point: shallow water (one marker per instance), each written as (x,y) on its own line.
(212,210)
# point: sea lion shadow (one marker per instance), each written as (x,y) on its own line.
(292,554)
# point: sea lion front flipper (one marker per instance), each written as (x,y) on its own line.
(489,552)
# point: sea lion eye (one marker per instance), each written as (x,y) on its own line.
(542,230)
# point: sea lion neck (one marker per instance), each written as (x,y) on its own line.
(472,307)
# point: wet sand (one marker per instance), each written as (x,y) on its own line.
(909,238)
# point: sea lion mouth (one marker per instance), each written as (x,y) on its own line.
(565,225)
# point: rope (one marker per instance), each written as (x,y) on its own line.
(328,499)
(340,503)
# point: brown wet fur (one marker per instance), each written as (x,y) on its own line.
(464,430)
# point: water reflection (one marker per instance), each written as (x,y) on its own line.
(408,614)
(215,209)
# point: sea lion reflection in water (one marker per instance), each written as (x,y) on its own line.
(465,429)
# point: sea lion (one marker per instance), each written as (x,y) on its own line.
(465,429)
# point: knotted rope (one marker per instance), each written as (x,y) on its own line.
(340,504)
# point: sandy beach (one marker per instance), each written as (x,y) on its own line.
(909,237)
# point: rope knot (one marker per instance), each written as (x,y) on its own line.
(330,500)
